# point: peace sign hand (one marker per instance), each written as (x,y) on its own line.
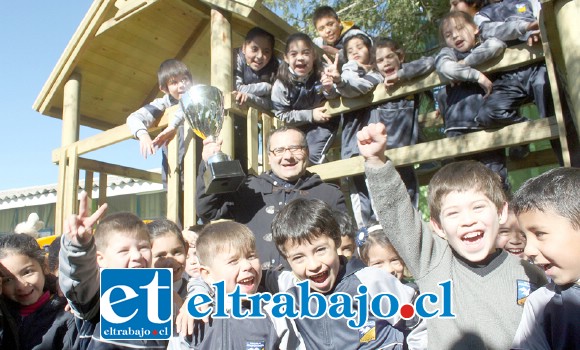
(78,227)
(331,68)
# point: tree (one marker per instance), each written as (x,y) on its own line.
(411,22)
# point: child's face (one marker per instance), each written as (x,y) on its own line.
(300,58)
(329,29)
(22,279)
(457,5)
(358,51)
(258,52)
(169,252)
(177,86)
(234,268)
(346,248)
(388,61)
(552,244)
(510,237)
(386,258)
(459,35)
(316,261)
(470,222)
(126,252)
(192,263)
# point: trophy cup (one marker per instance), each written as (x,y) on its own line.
(203,107)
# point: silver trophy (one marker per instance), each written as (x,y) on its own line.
(203,107)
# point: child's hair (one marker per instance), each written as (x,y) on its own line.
(123,223)
(284,74)
(304,220)
(224,236)
(382,42)
(53,252)
(323,11)
(259,32)
(161,227)
(557,190)
(285,128)
(463,176)
(171,68)
(476,4)
(368,237)
(366,40)
(345,223)
(196,228)
(457,16)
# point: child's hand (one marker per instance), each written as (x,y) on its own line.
(331,69)
(165,136)
(177,300)
(319,115)
(241,97)
(485,84)
(211,146)
(184,323)
(327,83)
(372,141)
(391,79)
(79,228)
(146,145)
(534,28)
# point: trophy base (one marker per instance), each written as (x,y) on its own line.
(223,176)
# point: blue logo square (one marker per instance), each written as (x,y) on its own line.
(136,304)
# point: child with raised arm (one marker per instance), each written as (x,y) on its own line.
(227,253)
(174,79)
(121,240)
(548,211)
(332,32)
(297,96)
(306,233)
(467,205)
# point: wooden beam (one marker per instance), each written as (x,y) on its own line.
(118,170)
(189,178)
(102,189)
(516,134)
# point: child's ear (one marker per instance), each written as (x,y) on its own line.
(503,214)
(163,89)
(101,261)
(205,274)
(437,228)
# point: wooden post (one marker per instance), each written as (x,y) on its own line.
(252,140)
(221,71)
(102,188)
(189,171)
(173,180)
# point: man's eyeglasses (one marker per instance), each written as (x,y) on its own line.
(294,149)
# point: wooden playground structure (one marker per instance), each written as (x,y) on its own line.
(108,70)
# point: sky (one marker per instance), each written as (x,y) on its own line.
(33,35)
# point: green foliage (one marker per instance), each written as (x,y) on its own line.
(412,22)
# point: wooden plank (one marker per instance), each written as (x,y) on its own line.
(102,189)
(173,181)
(252,140)
(72,176)
(92,165)
(267,126)
(60,189)
(88,180)
(189,178)
(516,134)
(512,58)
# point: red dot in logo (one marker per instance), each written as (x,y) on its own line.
(154,332)
(407,311)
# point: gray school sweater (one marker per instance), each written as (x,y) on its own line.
(484,298)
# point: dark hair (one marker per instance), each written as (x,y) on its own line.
(303,220)
(382,42)
(323,11)
(169,69)
(345,223)
(456,15)
(259,32)
(122,223)
(284,74)
(557,190)
(476,4)
(464,176)
(367,41)
(375,235)
(53,251)
(221,236)
(196,228)
(162,227)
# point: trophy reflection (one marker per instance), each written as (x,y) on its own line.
(203,107)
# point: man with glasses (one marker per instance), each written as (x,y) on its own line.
(261,197)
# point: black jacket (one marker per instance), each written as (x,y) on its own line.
(258,200)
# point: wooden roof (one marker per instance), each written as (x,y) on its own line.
(119,45)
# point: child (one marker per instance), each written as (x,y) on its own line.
(467,205)
(121,240)
(401,116)
(296,96)
(510,237)
(227,252)
(549,215)
(35,314)
(306,233)
(332,31)
(347,233)
(466,95)
(192,262)
(174,79)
